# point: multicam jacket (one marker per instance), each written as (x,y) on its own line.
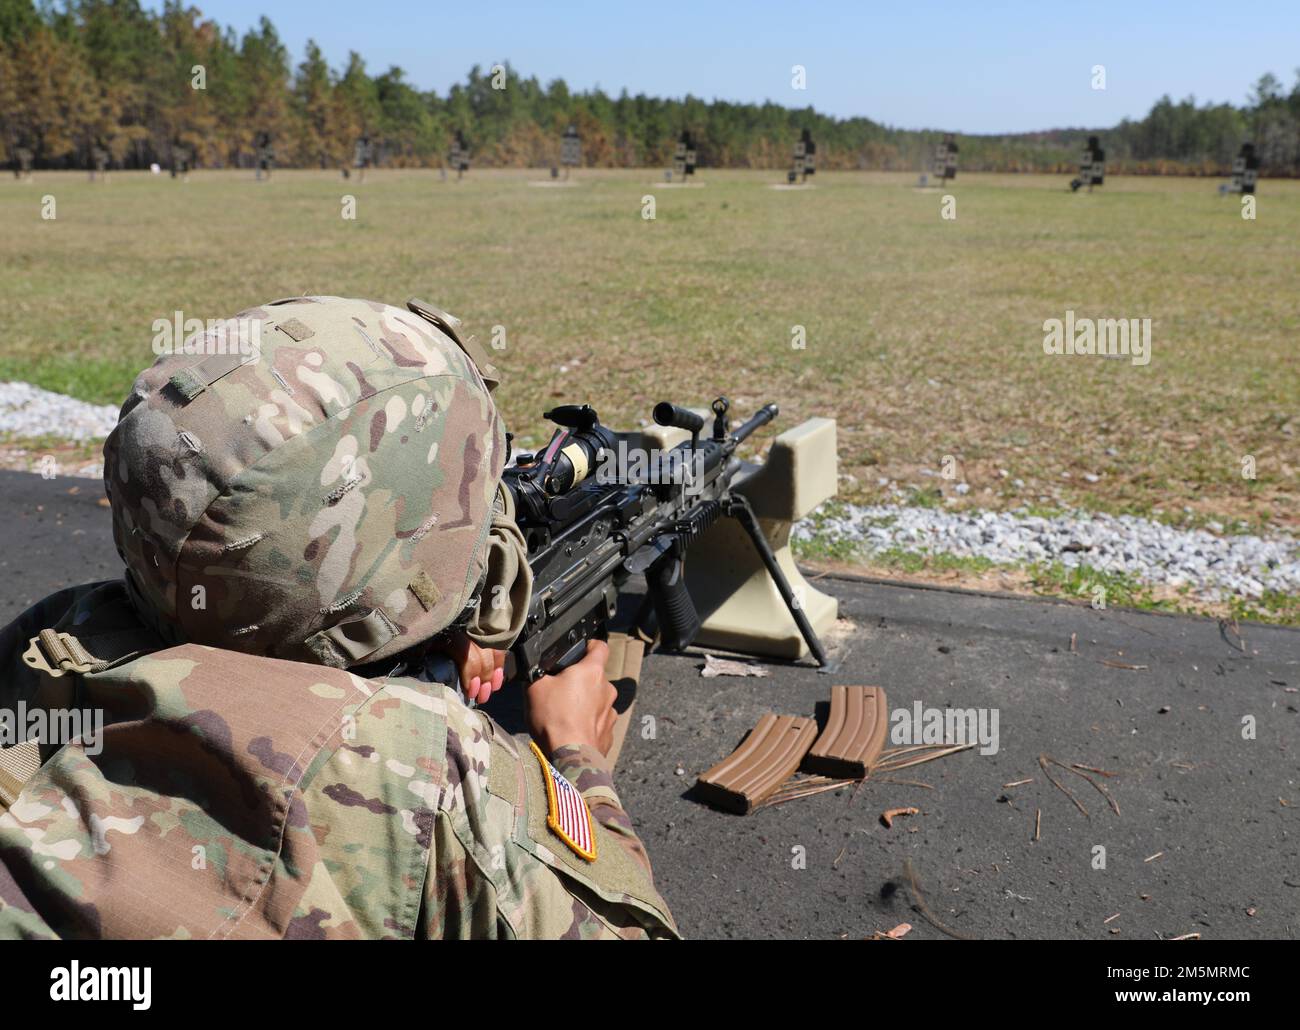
(235,796)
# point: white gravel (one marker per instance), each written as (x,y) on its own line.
(1213,565)
(29,411)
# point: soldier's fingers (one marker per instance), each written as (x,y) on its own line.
(597,653)
(461,650)
(474,664)
(468,681)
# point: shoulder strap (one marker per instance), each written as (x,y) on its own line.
(109,636)
(21,760)
(18,764)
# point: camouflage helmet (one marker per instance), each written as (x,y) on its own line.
(314,480)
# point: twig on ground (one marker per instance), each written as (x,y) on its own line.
(1101,789)
(792,794)
(1075,768)
(918,902)
(887,817)
(1231,624)
(938,751)
(1042,762)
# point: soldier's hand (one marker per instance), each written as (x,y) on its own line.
(575,706)
(481,669)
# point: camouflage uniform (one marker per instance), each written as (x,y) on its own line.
(247,783)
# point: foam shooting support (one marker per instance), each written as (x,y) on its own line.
(738,601)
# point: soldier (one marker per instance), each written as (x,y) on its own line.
(318,549)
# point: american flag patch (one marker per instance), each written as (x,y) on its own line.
(567,814)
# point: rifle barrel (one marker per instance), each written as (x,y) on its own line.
(762,417)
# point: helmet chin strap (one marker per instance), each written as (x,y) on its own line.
(470,610)
(347,643)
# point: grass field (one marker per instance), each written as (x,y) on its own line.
(924,337)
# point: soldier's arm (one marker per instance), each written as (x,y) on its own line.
(497,865)
(587,769)
(481,673)
(572,718)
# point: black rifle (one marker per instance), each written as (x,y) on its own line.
(597,507)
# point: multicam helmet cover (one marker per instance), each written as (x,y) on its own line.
(312,480)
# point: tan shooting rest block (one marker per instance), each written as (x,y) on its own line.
(736,598)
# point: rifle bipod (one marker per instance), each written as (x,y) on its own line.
(738,508)
(668,607)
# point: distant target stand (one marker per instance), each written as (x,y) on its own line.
(1245,172)
(181,160)
(570,151)
(97,166)
(684,159)
(804,163)
(363,157)
(570,157)
(20,163)
(457,156)
(264,156)
(942,166)
(1092,167)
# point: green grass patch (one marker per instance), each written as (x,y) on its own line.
(923,336)
(1273,607)
(1097,587)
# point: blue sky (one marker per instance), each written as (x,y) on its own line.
(964,65)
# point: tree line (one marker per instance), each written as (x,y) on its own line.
(106,80)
